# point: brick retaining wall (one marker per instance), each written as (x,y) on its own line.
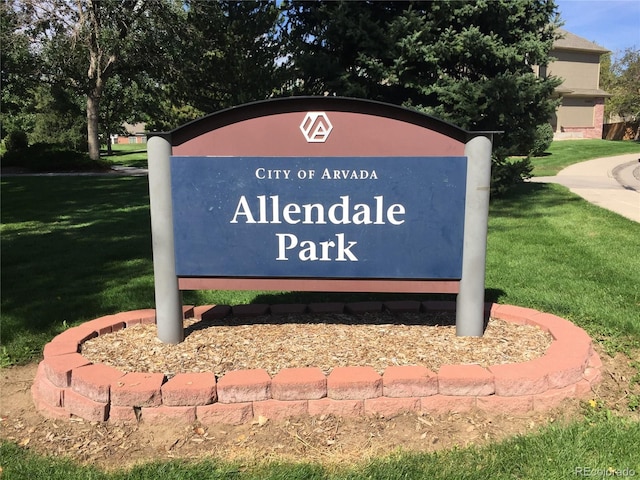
(67,384)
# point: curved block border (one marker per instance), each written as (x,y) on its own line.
(67,384)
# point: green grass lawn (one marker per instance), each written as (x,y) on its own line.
(128,154)
(75,248)
(563,153)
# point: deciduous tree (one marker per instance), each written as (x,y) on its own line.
(84,43)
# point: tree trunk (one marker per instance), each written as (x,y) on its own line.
(93,108)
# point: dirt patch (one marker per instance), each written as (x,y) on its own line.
(330,440)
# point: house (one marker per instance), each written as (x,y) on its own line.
(577,63)
(134,134)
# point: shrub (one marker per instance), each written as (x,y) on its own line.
(507,173)
(542,140)
(50,157)
(16,141)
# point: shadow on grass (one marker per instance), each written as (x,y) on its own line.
(120,153)
(73,248)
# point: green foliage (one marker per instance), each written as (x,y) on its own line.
(47,157)
(16,141)
(542,140)
(621,81)
(506,172)
(466,62)
(230,54)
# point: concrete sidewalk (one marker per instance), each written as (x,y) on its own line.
(612,183)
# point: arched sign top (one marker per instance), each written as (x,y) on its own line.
(318,126)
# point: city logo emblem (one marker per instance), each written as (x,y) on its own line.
(316,127)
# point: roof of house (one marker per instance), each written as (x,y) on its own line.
(571,41)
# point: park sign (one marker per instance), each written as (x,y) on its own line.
(319,217)
(319,194)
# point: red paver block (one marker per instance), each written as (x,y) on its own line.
(594,360)
(137,390)
(78,335)
(58,369)
(288,309)
(122,414)
(358,308)
(563,366)
(244,386)
(46,391)
(592,375)
(186,389)
(512,313)
(329,307)
(507,405)
(583,389)
(354,383)
(339,408)
(553,398)
(94,381)
(561,329)
(442,404)
(402,306)
(519,379)
(225,413)
(468,380)
(280,409)
(104,325)
(251,310)
(53,349)
(188,311)
(83,407)
(134,317)
(409,381)
(299,384)
(46,410)
(165,414)
(390,407)
(216,312)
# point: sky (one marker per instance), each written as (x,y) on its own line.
(612,24)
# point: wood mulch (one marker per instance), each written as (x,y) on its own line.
(326,341)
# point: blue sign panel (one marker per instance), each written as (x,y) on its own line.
(318,217)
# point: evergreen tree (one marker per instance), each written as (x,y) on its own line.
(230,55)
(468,62)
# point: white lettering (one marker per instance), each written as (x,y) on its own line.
(243,209)
(342,251)
(392,211)
(264,174)
(290,208)
(340,213)
(286,241)
(348,175)
(309,250)
(345,208)
(362,214)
